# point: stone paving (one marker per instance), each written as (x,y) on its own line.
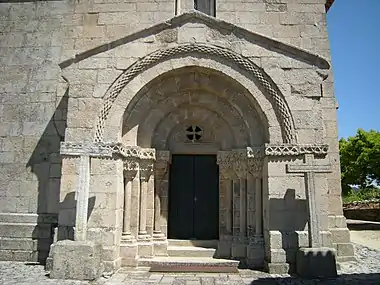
(366,270)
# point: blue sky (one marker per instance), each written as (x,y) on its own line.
(354,33)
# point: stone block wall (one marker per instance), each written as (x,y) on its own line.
(35,37)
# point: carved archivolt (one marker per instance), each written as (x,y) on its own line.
(272,93)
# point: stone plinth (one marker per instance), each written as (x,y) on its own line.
(316,263)
(79,260)
(128,252)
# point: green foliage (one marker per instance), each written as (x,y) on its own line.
(360,160)
(361,195)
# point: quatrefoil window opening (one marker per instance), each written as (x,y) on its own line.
(194,133)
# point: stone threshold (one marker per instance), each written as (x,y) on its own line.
(189,264)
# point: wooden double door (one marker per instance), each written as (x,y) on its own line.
(193,197)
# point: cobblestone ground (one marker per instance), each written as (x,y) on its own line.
(365,271)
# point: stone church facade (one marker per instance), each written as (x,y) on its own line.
(135,123)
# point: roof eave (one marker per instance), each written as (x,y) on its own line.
(328,4)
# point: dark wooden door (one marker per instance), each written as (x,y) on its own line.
(193,197)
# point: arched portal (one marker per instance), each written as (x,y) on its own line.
(194,113)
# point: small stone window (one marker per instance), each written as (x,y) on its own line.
(194,133)
(205,6)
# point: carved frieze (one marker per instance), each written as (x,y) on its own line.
(295,150)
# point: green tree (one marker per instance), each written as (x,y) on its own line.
(360,160)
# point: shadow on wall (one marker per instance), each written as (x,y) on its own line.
(289,215)
(46,163)
(367,279)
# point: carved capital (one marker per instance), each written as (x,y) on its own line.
(131,166)
(146,168)
(255,166)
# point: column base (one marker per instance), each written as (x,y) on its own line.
(239,248)
(224,247)
(316,263)
(255,253)
(110,267)
(145,246)
(129,252)
(160,244)
(276,267)
(78,260)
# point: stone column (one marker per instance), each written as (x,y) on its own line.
(251,207)
(243,208)
(239,190)
(255,248)
(143,201)
(128,246)
(259,208)
(225,190)
(130,171)
(82,194)
(161,170)
(145,245)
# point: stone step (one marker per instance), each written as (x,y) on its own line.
(18,244)
(197,243)
(24,230)
(189,264)
(18,255)
(190,251)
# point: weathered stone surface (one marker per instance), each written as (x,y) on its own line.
(316,263)
(77,260)
(131,75)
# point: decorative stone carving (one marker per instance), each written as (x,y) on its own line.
(272,92)
(295,150)
(255,166)
(90,149)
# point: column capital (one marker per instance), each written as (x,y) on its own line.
(146,167)
(131,167)
(255,166)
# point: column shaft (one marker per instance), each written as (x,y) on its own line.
(143,204)
(127,207)
(250,205)
(83,187)
(157,207)
(243,208)
(235,208)
(259,210)
(229,207)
